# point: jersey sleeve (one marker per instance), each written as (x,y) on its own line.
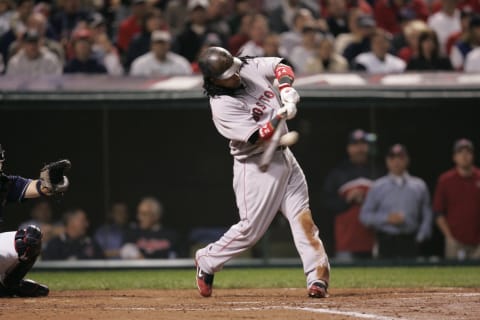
(232,118)
(266,66)
(18,188)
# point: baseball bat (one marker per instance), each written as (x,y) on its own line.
(272,146)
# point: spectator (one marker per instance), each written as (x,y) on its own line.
(281,18)
(240,10)
(344,192)
(379,60)
(411,32)
(390,13)
(465,17)
(305,50)
(103,49)
(38,22)
(217,20)
(111,235)
(175,14)
(294,37)
(470,5)
(457,204)
(464,46)
(131,26)
(271,48)
(74,244)
(41,216)
(472,62)
(429,58)
(241,37)
(398,208)
(190,40)
(18,26)
(325,59)
(337,18)
(67,18)
(150,239)
(445,23)
(258,30)
(160,61)
(33,59)
(343,40)
(363,6)
(141,42)
(83,60)
(361,38)
(6,13)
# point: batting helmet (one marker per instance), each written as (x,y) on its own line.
(218,63)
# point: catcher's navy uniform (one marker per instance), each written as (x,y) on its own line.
(19,249)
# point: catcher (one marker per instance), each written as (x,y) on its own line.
(19,249)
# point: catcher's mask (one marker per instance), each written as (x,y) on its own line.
(218,63)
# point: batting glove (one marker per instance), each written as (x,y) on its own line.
(288,111)
(289,95)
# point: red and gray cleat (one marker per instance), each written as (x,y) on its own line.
(318,289)
(204,282)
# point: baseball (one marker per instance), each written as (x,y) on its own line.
(289,138)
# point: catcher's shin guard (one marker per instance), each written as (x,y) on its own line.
(28,244)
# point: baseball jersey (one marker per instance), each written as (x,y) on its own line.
(253,105)
(12,189)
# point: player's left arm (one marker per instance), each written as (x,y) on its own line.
(285,77)
(32,191)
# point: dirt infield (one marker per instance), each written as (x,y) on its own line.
(376,304)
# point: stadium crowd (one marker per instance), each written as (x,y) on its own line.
(165,37)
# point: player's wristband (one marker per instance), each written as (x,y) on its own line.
(268,129)
(38,185)
(284,75)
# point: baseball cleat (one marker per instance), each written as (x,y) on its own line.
(204,282)
(318,289)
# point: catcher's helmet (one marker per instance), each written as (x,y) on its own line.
(218,63)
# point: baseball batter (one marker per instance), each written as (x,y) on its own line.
(19,249)
(247,109)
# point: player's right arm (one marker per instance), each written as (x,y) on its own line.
(439,209)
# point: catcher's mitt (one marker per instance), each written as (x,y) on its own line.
(53,179)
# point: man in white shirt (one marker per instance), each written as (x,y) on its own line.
(378,60)
(34,59)
(160,60)
(472,61)
(445,22)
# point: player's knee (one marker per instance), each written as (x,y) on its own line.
(28,243)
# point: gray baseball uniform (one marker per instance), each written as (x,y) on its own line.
(259,196)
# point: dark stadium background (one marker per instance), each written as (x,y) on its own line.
(124,150)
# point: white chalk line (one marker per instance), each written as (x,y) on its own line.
(360,315)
